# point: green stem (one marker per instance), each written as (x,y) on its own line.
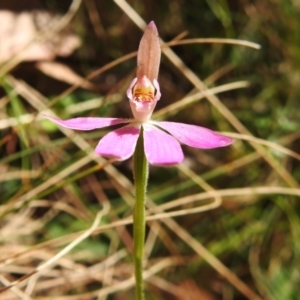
(140,170)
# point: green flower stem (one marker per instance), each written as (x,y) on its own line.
(140,170)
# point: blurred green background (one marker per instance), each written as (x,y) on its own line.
(51,187)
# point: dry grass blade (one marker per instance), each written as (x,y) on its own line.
(213,41)
(272,145)
(63,73)
(188,100)
(67,249)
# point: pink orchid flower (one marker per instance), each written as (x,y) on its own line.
(161,139)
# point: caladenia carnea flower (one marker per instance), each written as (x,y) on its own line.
(147,140)
(161,139)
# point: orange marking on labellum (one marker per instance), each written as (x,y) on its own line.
(142,94)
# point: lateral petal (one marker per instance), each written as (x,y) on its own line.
(87,123)
(195,136)
(160,147)
(119,143)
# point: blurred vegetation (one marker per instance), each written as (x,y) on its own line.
(51,186)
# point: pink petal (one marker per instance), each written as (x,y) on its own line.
(119,143)
(160,147)
(87,123)
(195,136)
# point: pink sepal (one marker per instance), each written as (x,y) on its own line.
(87,123)
(119,143)
(161,148)
(195,136)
